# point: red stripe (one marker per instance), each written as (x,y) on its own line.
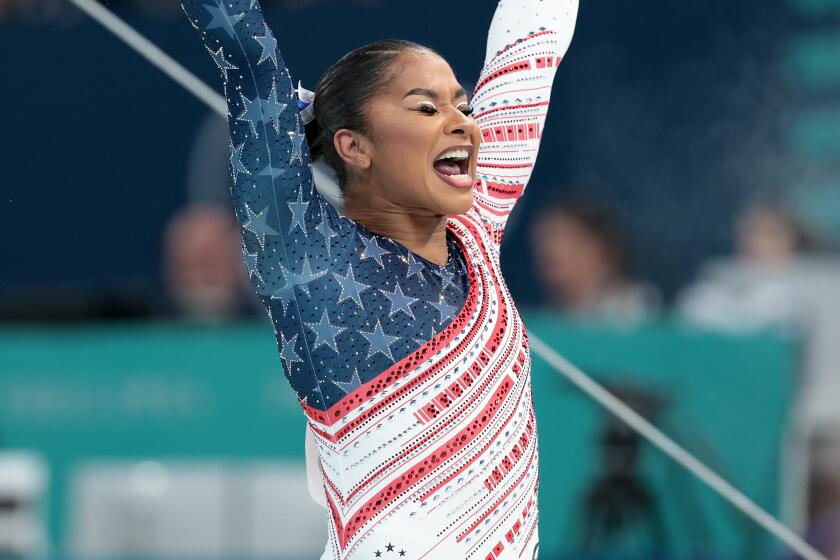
(523,40)
(507,165)
(504,191)
(454,475)
(418,472)
(480,117)
(504,71)
(516,484)
(477,394)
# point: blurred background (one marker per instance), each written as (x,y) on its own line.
(679,241)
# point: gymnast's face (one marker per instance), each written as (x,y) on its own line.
(422,144)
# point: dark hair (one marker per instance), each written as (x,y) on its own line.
(343,92)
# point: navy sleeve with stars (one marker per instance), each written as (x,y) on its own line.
(273,190)
(346,303)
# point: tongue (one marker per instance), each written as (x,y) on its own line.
(447,167)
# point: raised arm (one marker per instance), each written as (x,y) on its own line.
(526,42)
(287,228)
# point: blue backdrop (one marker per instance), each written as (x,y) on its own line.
(669,109)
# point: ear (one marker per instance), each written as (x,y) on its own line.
(352,148)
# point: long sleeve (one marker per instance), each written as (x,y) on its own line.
(290,233)
(527,41)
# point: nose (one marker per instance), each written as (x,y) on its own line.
(460,124)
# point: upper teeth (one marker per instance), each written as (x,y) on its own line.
(457,153)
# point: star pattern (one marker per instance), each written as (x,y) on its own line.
(251,264)
(350,288)
(236,164)
(380,343)
(447,279)
(350,386)
(303,278)
(221,62)
(256,224)
(222,19)
(325,333)
(287,350)
(345,302)
(286,296)
(297,139)
(298,210)
(415,268)
(258,110)
(373,250)
(269,47)
(272,109)
(400,302)
(445,310)
(251,113)
(326,231)
(273,172)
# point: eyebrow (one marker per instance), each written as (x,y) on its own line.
(425,92)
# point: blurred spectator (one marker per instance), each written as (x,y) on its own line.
(770,235)
(583,263)
(776,281)
(204,273)
(755,288)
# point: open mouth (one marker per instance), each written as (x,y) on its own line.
(453,167)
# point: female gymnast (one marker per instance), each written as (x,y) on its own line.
(394,325)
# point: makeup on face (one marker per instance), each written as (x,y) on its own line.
(452,165)
(423,143)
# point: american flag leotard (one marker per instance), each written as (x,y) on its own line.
(414,377)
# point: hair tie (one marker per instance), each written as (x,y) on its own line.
(306,104)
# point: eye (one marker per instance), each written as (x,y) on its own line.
(427,109)
(466,109)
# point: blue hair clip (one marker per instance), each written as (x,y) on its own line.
(306,104)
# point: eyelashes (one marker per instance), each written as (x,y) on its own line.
(429,109)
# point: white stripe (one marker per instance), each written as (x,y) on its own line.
(216,102)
